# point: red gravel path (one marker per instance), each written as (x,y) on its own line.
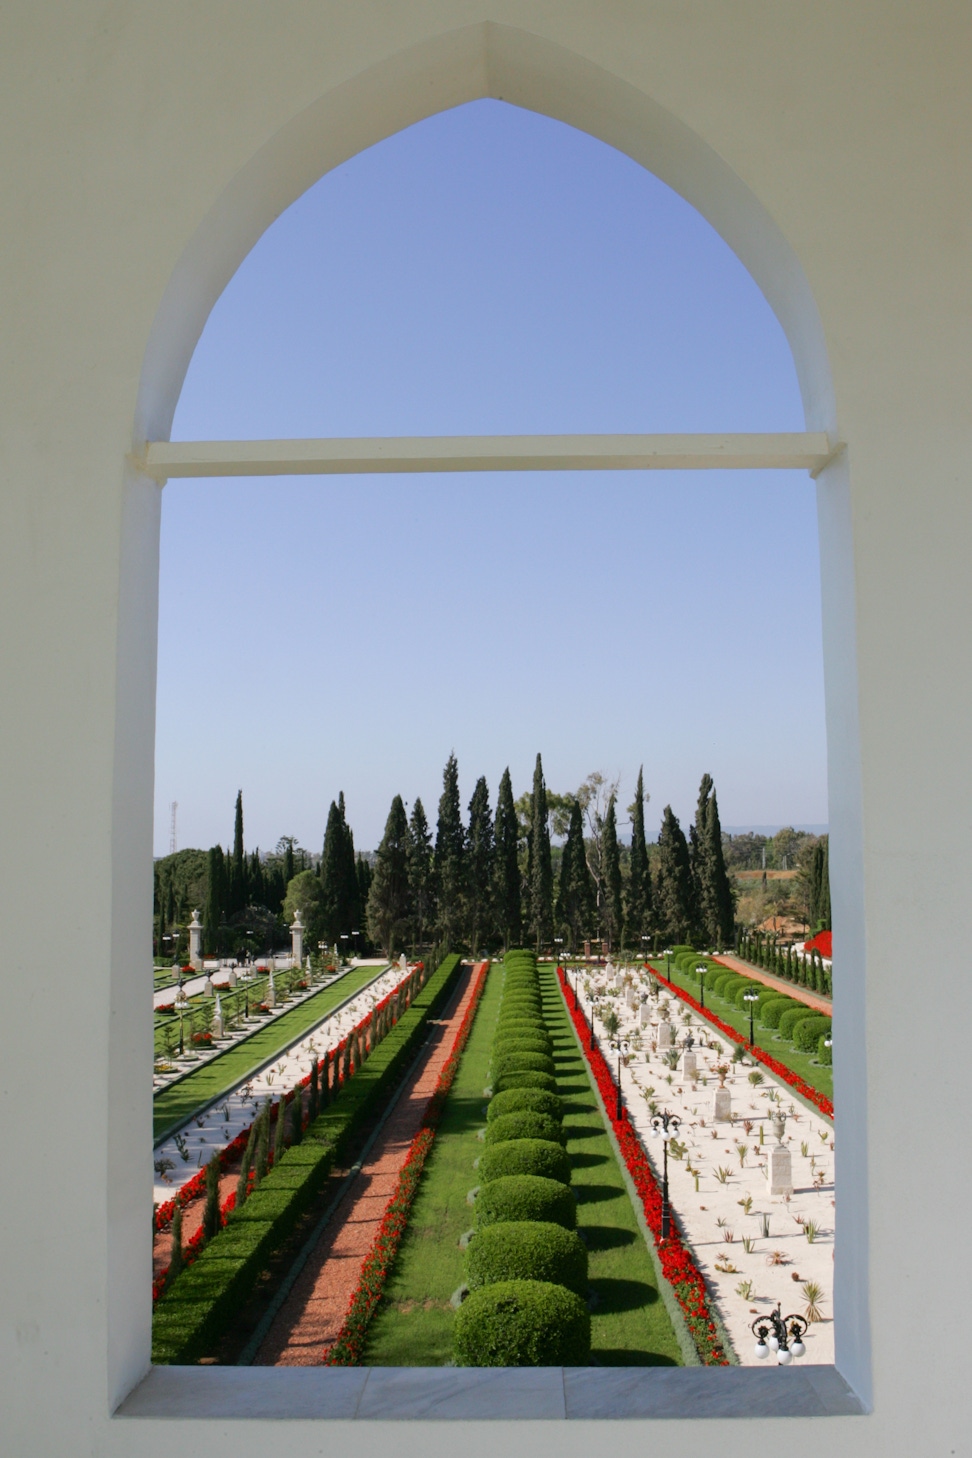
(312,1314)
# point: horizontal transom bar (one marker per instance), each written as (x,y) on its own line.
(358,455)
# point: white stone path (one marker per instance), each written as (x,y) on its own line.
(774,1261)
(214,1128)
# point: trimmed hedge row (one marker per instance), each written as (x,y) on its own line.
(526,1267)
(204,1300)
(793,1020)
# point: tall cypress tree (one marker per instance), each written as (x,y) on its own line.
(421,898)
(824,912)
(238,887)
(256,889)
(674,892)
(332,876)
(351,910)
(714,905)
(387,910)
(449,862)
(638,906)
(217,894)
(506,866)
(479,865)
(541,867)
(611,909)
(364,876)
(575,890)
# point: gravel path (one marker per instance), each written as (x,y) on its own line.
(787,989)
(312,1314)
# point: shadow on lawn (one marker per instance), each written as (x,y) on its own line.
(619,1295)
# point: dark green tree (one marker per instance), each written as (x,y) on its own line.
(363,876)
(639,918)
(713,898)
(575,889)
(388,899)
(334,908)
(612,914)
(352,908)
(217,897)
(674,899)
(506,866)
(540,864)
(479,866)
(239,891)
(420,887)
(449,863)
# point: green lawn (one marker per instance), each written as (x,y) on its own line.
(413,1326)
(802,1064)
(174,1105)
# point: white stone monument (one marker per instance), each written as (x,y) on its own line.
(664,1035)
(207,986)
(217,1028)
(195,942)
(231,977)
(689,1066)
(297,939)
(271,998)
(645,1015)
(779,1167)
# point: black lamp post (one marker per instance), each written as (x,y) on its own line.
(620,1046)
(700,974)
(780,1334)
(665,1126)
(751,996)
(644,950)
(558,943)
(668,965)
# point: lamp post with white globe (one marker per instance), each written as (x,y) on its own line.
(665,1126)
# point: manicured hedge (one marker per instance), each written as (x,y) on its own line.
(770,1012)
(204,1300)
(790,1018)
(521,1043)
(519,1024)
(808,1032)
(526,1250)
(525,1080)
(528,1124)
(522,1100)
(526,1197)
(723,980)
(525,1157)
(825,1055)
(522,1324)
(523,1063)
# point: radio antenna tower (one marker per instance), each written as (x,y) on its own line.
(172,827)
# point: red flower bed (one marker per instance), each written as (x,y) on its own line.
(677,1263)
(348,1346)
(823,943)
(780,1070)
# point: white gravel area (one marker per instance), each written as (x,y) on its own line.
(719,1189)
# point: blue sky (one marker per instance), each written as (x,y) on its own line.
(487,270)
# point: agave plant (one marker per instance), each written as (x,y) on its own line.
(742,1150)
(811,1230)
(749,1242)
(722,1174)
(746,1290)
(756,1078)
(813,1295)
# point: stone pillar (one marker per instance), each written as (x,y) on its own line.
(779,1171)
(690,1070)
(195,942)
(297,939)
(271,992)
(722,1107)
(664,1036)
(218,1019)
(231,978)
(645,1015)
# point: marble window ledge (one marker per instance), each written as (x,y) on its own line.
(477,1394)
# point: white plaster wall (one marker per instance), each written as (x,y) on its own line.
(143,147)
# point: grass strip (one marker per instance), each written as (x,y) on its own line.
(203,1302)
(174,1105)
(413,1325)
(801,1065)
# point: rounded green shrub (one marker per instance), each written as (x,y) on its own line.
(527,1250)
(772,1010)
(723,980)
(523,1063)
(525,1157)
(525,1080)
(523,1026)
(521,1004)
(522,1324)
(526,1124)
(808,1032)
(526,1197)
(791,1017)
(729,986)
(521,1100)
(521,1043)
(824,1054)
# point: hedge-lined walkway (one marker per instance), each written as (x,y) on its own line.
(314,1310)
(173,1106)
(787,989)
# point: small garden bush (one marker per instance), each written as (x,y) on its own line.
(520,1100)
(527,1124)
(771,1011)
(526,1197)
(523,1063)
(520,1005)
(520,1025)
(525,1080)
(825,1055)
(791,1017)
(808,1032)
(521,1043)
(527,1250)
(525,1157)
(522,1324)
(724,978)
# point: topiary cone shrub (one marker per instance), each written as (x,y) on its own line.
(523,1063)
(525,1080)
(527,1250)
(522,1324)
(525,1124)
(525,1157)
(526,1197)
(522,1100)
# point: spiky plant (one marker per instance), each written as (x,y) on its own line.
(813,1295)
